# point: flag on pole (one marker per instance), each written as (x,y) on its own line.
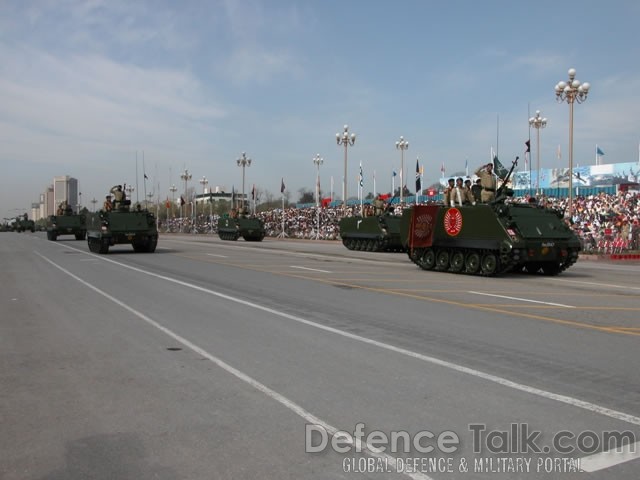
(395,173)
(527,153)
(500,170)
(233,196)
(282,187)
(145,177)
(442,169)
(466,167)
(599,151)
(181,200)
(361,179)
(253,192)
(418,183)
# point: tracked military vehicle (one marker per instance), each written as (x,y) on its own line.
(375,233)
(23,223)
(233,227)
(122,226)
(66,224)
(490,239)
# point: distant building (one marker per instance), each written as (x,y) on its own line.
(65,188)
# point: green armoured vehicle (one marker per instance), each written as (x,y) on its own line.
(122,226)
(372,234)
(490,239)
(23,223)
(245,226)
(67,224)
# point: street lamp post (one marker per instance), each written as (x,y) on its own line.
(346,140)
(243,162)
(402,145)
(94,201)
(537,122)
(570,92)
(173,190)
(186,176)
(317,161)
(129,189)
(204,182)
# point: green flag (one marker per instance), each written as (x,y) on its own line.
(499,169)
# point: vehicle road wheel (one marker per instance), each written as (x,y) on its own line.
(457,261)
(428,260)
(489,264)
(442,261)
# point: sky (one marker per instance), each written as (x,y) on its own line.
(89,86)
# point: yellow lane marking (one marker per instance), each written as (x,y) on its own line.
(493,309)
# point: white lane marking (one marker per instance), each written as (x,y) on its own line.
(626,287)
(356,442)
(312,269)
(522,299)
(610,458)
(216,255)
(574,402)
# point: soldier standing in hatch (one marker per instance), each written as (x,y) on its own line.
(487,182)
(107,206)
(118,195)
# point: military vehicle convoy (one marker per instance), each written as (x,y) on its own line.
(375,233)
(122,226)
(233,227)
(23,223)
(66,224)
(490,239)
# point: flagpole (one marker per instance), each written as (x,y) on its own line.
(374,183)
(596,154)
(393,177)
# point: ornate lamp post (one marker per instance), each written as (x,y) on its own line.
(243,162)
(94,201)
(317,161)
(173,190)
(346,140)
(204,182)
(185,176)
(537,122)
(402,145)
(570,92)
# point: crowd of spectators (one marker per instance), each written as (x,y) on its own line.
(606,223)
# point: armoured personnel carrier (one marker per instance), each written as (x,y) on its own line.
(23,223)
(490,239)
(372,234)
(66,224)
(233,227)
(122,226)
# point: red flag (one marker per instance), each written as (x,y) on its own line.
(326,202)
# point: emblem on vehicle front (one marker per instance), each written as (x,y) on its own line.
(453,222)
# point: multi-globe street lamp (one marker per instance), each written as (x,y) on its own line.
(204,182)
(538,123)
(347,140)
(185,176)
(402,145)
(243,162)
(129,189)
(571,92)
(173,190)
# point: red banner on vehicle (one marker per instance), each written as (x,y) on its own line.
(423,222)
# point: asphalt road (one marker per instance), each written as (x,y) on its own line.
(234,360)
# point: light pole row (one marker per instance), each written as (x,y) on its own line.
(537,122)
(571,92)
